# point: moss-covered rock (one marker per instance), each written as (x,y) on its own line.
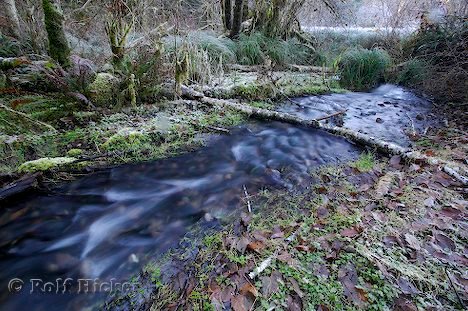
(126,140)
(74,153)
(44,164)
(103,89)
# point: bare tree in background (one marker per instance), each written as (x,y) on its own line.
(9,21)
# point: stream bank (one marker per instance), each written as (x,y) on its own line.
(274,155)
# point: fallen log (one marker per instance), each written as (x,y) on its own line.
(452,169)
(25,183)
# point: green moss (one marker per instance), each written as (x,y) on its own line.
(74,153)
(366,162)
(103,89)
(44,164)
(255,91)
(58,44)
(126,141)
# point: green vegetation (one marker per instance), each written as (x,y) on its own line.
(44,164)
(366,162)
(362,69)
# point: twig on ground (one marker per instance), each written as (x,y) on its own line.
(332,115)
(267,262)
(413,133)
(249,206)
(454,289)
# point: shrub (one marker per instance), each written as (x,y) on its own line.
(412,73)
(442,49)
(361,68)
(207,54)
(8,47)
(254,48)
(249,49)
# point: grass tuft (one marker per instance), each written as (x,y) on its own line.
(361,69)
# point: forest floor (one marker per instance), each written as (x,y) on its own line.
(376,233)
(372,234)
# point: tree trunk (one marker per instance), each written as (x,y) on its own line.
(226,7)
(58,44)
(9,22)
(237,19)
(245,11)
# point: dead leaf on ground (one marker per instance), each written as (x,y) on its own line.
(248,289)
(407,287)
(349,232)
(444,241)
(294,303)
(256,246)
(349,279)
(404,304)
(241,303)
(412,241)
(270,284)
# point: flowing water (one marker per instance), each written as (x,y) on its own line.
(106,226)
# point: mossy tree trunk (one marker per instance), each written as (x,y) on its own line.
(118,28)
(276,18)
(10,25)
(237,18)
(58,44)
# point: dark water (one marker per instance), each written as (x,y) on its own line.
(106,226)
(385,113)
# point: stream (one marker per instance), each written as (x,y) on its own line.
(105,226)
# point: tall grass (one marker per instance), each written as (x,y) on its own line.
(361,69)
(255,48)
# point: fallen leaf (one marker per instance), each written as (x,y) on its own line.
(350,232)
(294,303)
(403,304)
(303,248)
(444,242)
(241,303)
(395,161)
(412,241)
(270,283)
(248,289)
(296,287)
(407,287)
(256,246)
(322,212)
(349,279)
(286,257)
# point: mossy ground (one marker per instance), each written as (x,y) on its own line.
(359,242)
(132,135)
